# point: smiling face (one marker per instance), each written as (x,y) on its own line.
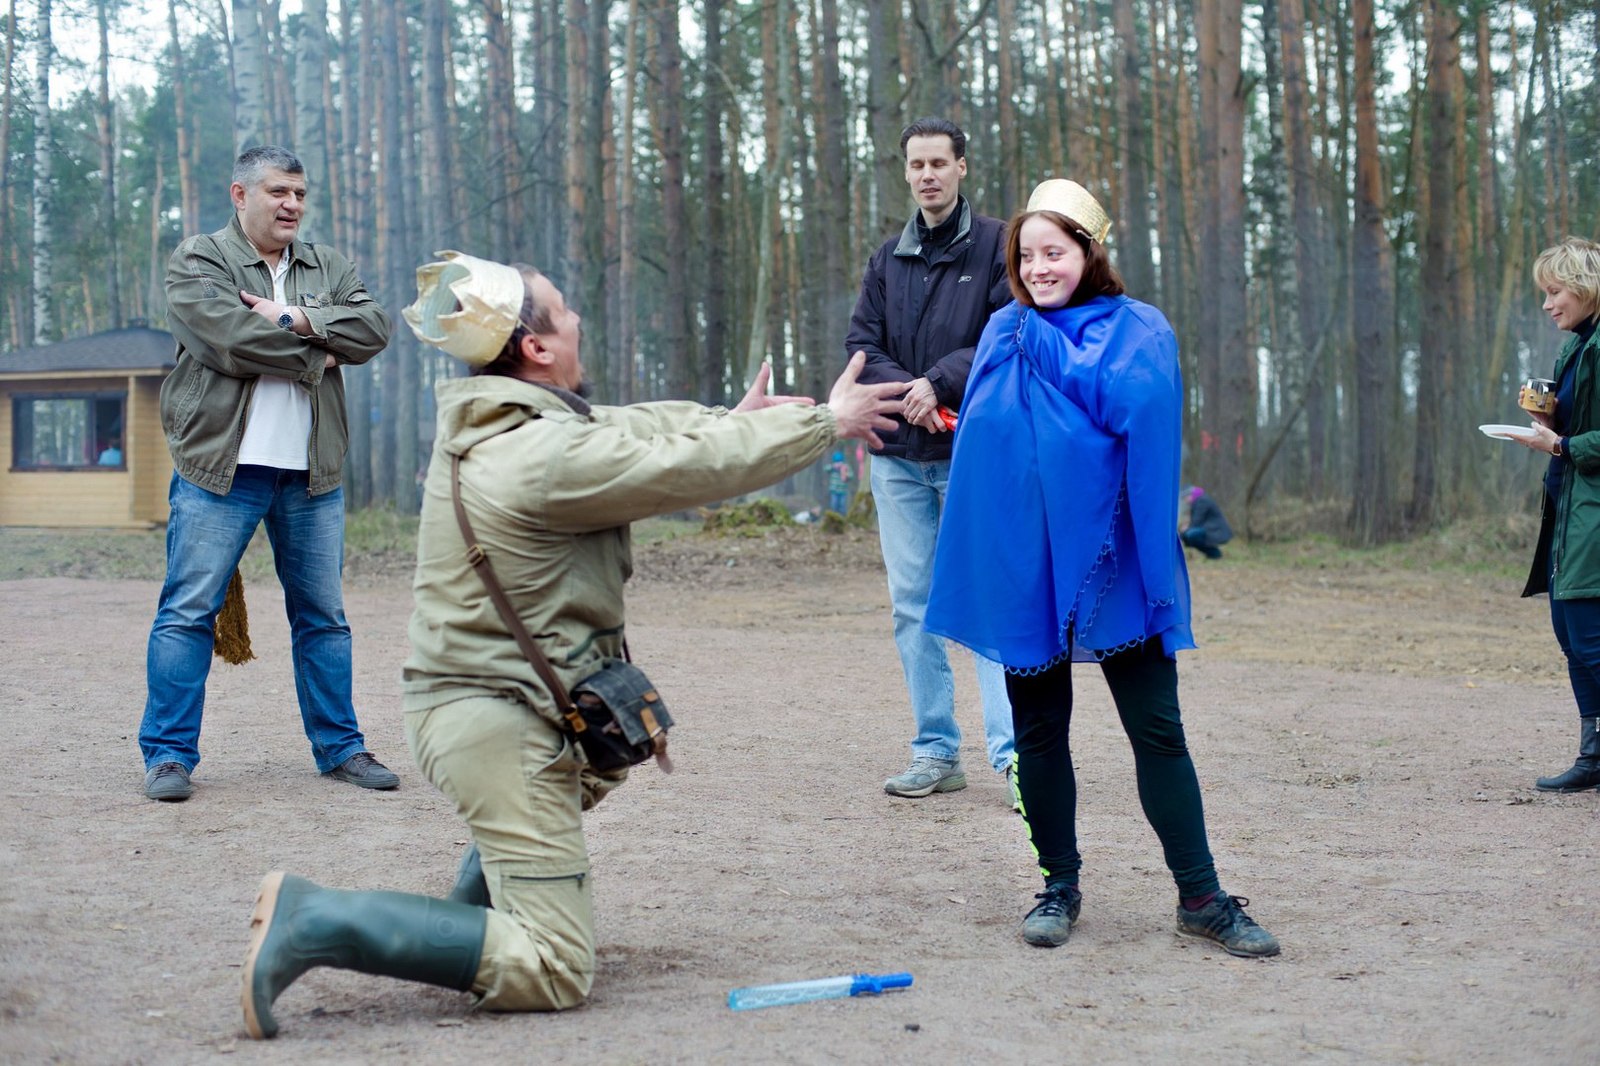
(270,210)
(934,174)
(1050,261)
(1564,306)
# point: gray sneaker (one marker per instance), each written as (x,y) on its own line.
(168,781)
(927,774)
(1011,788)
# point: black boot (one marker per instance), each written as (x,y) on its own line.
(470,886)
(1585,773)
(298,926)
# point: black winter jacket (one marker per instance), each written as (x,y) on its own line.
(916,319)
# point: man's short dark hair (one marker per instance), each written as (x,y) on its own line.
(253,163)
(935,127)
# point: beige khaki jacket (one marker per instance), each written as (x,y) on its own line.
(550,492)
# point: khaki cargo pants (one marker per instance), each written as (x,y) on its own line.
(520,785)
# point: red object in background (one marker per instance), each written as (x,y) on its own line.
(947,416)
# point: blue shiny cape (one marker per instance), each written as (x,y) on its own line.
(1060,527)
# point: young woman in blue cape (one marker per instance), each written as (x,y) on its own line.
(1059,541)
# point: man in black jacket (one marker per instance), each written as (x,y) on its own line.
(925,298)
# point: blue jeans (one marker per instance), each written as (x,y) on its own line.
(206,536)
(1577,626)
(910,498)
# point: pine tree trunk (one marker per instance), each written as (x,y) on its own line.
(714,105)
(585,279)
(832,133)
(677,339)
(774,79)
(188,189)
(884,123)
(1133,253)
(106,126)
(310,119)
(1439,277)
(1371,520)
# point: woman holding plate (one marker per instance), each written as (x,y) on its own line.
(1566,563)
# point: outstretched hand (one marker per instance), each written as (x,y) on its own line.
(860,411)
(756,398)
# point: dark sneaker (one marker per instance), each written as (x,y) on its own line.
(362,769)
(168,781)
(926,775)
(1050,923)
(1224,921)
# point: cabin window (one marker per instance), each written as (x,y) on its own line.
(69,431)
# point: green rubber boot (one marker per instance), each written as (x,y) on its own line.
(470,886)
(298,926)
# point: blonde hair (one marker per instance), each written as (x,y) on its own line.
(1574,265)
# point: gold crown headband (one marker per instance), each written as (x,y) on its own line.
(1074,201)
(467,306)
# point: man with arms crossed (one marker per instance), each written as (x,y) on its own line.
(254,417)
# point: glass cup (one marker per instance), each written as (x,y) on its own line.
(1538,396)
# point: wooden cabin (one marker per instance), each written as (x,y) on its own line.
(80,431)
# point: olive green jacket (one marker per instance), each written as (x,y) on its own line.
(550,491)
(223,347)
(1569,530)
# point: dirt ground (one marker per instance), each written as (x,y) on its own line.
(1366,741)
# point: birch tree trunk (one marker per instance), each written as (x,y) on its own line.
(249,90)
(9,266)
(310,122)
(44,326)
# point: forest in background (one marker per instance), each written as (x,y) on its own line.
(1336,202)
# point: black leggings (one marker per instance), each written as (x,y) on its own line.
(1144,686)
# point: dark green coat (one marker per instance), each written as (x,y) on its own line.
(1569,530)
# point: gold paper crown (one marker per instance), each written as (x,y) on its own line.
(1073,200)
(467,306)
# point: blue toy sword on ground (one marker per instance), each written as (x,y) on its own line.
(823,988)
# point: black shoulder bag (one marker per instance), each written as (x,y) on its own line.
(615,714)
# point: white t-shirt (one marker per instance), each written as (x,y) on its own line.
(277,429)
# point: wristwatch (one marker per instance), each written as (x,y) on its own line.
(286,321)
(1559,448)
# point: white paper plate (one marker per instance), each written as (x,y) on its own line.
(1500,432)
